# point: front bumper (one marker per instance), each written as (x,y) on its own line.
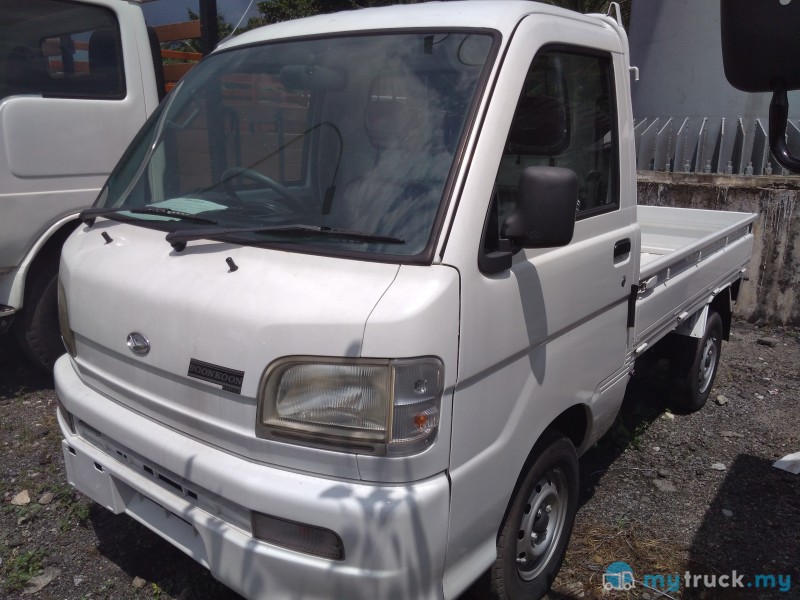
(200,499)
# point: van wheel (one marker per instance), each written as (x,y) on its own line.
(36,326)
(693,372)
(538,523)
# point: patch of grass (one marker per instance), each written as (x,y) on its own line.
(630,427)
(29,512)
(622,436)
(156,591)
(106,587)
(80,511)
(22,568)
(62,492)
(621,523)
(77,512)
(593,547)
(74,507)
(26,435)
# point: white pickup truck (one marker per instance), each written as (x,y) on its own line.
(364,288)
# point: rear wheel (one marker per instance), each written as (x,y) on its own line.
(36,326)
(537,526)
(693,371)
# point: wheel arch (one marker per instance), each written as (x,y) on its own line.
(572,423)
(46,249)
(722,305)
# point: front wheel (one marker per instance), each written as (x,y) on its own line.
(37,330)
(537,526)
(693,372)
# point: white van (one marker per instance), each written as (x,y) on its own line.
(78,78)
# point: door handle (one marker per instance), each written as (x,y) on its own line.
(622,248)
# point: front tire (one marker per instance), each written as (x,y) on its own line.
(535,532)
(693,373)
(37,330)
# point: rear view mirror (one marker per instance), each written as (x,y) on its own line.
(761,53)
(312,78)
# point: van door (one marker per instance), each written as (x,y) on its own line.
(71,99)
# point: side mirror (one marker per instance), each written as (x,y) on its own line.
(545,213)
(760,53)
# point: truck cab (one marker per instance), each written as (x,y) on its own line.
(362,290)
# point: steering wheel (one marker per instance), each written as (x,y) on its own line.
(289,201)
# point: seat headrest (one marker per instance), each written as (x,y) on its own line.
(24,71)
(103,50)
(393,118)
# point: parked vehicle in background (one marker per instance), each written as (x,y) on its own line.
(363,289)
(77,81)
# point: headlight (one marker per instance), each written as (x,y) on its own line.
(364,406)
(63,321)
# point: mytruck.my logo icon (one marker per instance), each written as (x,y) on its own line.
(618,576)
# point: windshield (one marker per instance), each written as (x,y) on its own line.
(342,144)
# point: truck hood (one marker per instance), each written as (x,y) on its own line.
(214,316)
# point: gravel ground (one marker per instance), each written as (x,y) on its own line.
(666,493)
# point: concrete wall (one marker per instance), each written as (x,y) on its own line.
(772,291)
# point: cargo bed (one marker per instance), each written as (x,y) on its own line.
(676,243)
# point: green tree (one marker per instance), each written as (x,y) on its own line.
(275,11)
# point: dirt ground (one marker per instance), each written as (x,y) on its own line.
(664,492)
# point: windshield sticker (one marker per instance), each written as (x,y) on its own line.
(229,379)
(146,217)
(190,206)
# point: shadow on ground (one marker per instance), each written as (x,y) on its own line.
(141,553)
(17,374)
(754,503)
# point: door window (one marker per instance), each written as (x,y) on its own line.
(565,117)
(62,49)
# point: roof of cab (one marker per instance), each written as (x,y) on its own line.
(501,15)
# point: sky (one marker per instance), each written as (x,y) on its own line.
(174,11)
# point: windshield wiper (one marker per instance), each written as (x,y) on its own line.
(88,215)
(179,238)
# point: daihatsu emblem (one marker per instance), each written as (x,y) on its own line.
(138,344)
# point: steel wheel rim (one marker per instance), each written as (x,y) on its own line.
(708,362)
(542,524)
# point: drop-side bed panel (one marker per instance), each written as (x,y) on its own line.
(688,256)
